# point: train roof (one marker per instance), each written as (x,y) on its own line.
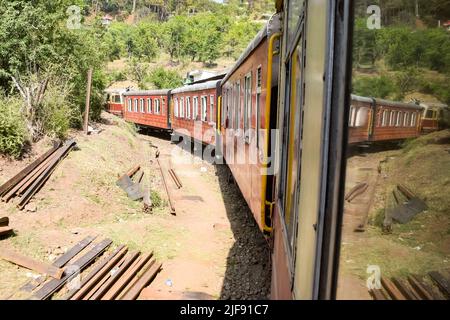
(361,99)
(398,104)
(270,28)
(386,102)
(158,92)
(197,87)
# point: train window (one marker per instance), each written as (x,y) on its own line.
(130,105)
(142,105)
(247,105)
(237,107)
(258,104)
(163,106)
(136,102)
(395,229)
(157,106)
(211,109)
(406,119)
(117,98)
(204,107)
(182,107)
(196,108)
(413,119)
(149,105)
(384,123)
(292,147)
(188,107)
(175,107)
(294,14)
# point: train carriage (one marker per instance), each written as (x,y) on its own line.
(115,101)
(248,92)
(373,119)
(194,111)
(148,108)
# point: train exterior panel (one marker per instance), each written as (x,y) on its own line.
(147,108)
(243,120)
(194,111)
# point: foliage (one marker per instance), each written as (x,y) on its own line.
(239,36)
(56,112)
(378,87)
(13,131)
(163,79)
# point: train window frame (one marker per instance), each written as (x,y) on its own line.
(182,107)
(149,105)
(290,242)
(247,106)
(195,113)
(157,106)
(204,107)
(237,108)
(130,104)
(115,100)
(136,104)
(175,107)
(258,79)
(188,107)
(211,109)
(385,118)
(141,105)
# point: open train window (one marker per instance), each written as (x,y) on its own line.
(175,107)
(142,109)
(188,107)
(258,104)
(130,105)
(211,109)
(149,105)
(237,107)
(196,108)
(247,105)
(182,107)
(204,108)
(395,204)
(157,106)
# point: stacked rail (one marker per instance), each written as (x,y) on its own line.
(117,275)
(30,180)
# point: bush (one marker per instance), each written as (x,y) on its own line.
(377,87)
(164,79)
(56,112)
(13,131)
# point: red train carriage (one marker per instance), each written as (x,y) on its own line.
(194,111)
(148,108)
(245,119)
(381,120)
(115,100)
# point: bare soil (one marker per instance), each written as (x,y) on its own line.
(211,249)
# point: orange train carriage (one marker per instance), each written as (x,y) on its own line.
(194,111)
(148,108)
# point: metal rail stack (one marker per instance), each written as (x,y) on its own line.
(436,286)
(30,180)
(117,275)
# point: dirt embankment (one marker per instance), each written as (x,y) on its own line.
(211,248)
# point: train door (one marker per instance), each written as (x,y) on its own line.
(314,81)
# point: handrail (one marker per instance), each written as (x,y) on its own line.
(264,201)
